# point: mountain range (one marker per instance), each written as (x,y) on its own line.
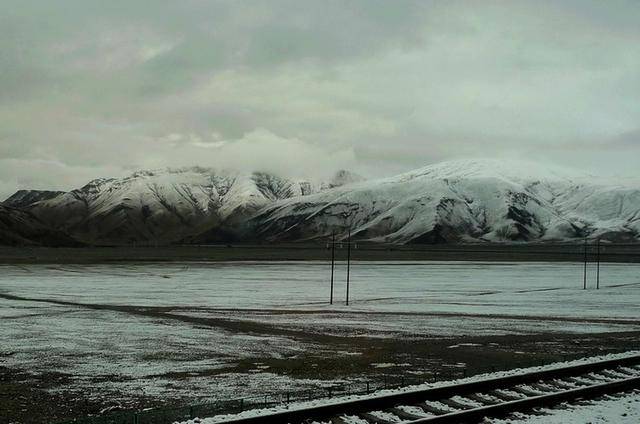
(463,201)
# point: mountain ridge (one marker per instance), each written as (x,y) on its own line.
(166,205)
(463,201)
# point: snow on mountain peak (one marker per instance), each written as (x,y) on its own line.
(455,201)
(514,170)
(464,200)
(165,205)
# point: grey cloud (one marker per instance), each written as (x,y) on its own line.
(99,87)
(628,139)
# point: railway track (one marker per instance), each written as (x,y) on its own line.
(473,401)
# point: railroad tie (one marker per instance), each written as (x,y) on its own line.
(502,395)
(406,415)
(375,420)
(578,381)
(545,387)
(562,385)
(525,391)
(610,374)
(483,400)
(430,409)
(456,405)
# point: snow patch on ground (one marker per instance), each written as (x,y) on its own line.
(389,365)
(609,410)
(463,345)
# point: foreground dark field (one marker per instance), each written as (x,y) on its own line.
(34,398)
(319,251)
(37,397)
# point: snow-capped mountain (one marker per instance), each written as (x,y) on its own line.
(341,178)
(165,206)
(456,201)
(462,201)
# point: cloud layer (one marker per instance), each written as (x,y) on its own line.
(91,88)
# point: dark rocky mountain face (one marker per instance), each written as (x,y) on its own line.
(22,228)
(25,198)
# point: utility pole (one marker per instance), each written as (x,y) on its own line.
(348,263)
(333,260)
(598,266)
(584,284)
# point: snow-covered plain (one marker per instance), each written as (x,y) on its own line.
(447,287)
(113,349)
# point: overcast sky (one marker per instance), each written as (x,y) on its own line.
(100,88)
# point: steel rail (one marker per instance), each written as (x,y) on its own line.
(381,402)
(502,409)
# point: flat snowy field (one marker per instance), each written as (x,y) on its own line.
(134,328)
(454,287)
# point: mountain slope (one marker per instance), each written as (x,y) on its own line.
(461,201)
(21,228)
(25,198)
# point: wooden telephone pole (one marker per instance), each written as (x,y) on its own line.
(584,276)
(598,266)
(333,260)
(348,264)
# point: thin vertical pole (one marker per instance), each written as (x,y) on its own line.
(348,263)
(598,267)
(333,260)
(584,283)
